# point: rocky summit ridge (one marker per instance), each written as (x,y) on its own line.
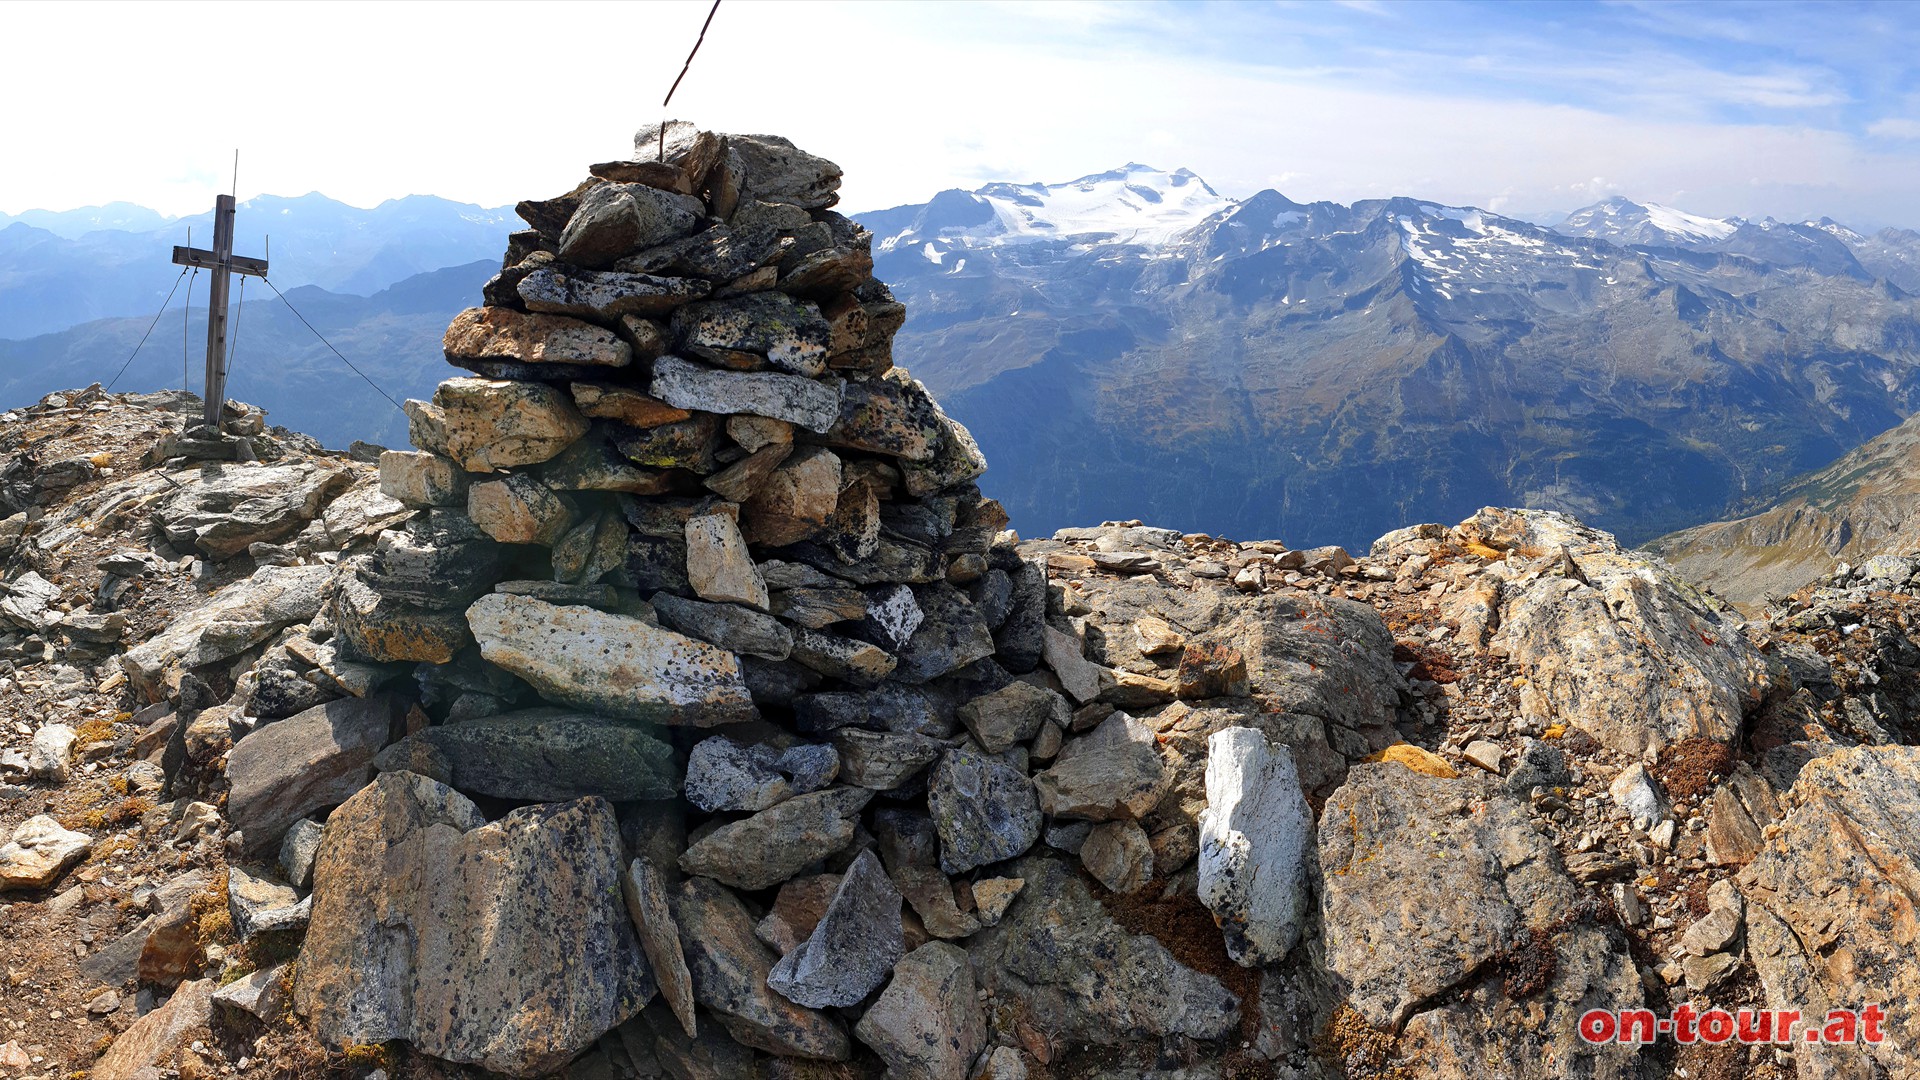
(678,707)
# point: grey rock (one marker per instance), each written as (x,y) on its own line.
(546,755)
(651,908)
(1426,879)
(605,295)
(811,766)
(259,994)
(239,617)
(1541,764)
(1639,794)
(292,768)
(1113,772)
(227,508)
(261,906)
(50,754)
(1119,855)
(1255,836)
(1826,901)
(775,844)
(730,626)
(951,636)
(408,867)
(725,775)
(730,966)
(298,850)
(984,810)
(1632,654)
(611,664)
(883,760)
(1057,956)
(889,705)
(790,333)
(616,220)
(854,947)
(773,170)
(893,615)
(799,401)
(858,662)
(927,1024)
(1013,714)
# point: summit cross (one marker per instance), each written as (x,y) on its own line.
(223,262)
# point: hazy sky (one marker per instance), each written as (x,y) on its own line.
(1786,109)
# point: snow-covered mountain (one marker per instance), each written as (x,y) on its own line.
(1318,371)
(1623,221)
(1134,205)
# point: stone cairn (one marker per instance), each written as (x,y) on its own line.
(699,573)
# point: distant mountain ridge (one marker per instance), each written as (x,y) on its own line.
(1324,373)
(1865,504)
(57,272)
(1135,343)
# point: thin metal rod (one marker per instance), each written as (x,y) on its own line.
(664,102)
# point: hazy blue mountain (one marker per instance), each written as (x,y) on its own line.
(393,336)
(53,276)
(73,224)
(1323,373)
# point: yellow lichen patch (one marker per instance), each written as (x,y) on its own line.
(213,925)
(1421,761)
(1554,731)
(93,731)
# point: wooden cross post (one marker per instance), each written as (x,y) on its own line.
(223,262)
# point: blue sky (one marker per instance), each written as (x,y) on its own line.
(1787,109)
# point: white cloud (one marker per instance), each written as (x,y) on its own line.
(1894,128)
(489,103)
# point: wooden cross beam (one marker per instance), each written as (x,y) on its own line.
(223,262)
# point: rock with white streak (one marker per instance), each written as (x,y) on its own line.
(1255,835)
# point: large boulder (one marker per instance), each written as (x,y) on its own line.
(1447,914)
(611,664)
(1831,909)
(1618,646)
(1075,972)
(226,507)
(409,870)
(284,771)
(927,1025)
(236,619)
